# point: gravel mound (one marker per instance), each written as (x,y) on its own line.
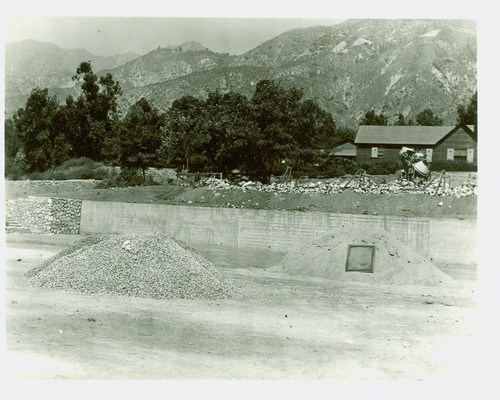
(146,265)
(394,262)
(79,244)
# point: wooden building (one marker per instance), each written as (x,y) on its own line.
(345,149)
(377,144)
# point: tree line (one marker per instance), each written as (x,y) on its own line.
(224,132)
(467,114)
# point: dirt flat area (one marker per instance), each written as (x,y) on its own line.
(347,202)
(275,327)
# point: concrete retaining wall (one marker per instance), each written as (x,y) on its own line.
(453,240)
(443,240)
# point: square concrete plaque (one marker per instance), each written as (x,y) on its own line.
(360,258)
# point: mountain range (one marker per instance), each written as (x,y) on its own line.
(391,66)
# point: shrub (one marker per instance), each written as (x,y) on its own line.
(131,177)
(326,167)
(110,180)
(385,168)
(126,177)
(79,168)
(79,162)
(38,176)
(453,166)
(13,169)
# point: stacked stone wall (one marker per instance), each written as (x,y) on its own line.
(66,215)
(43,215)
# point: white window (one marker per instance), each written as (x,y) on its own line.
(377,152)
(428,153)
(450,153)
(470,156)
(460,155)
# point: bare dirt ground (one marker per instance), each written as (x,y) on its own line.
(348,202)
(276,327)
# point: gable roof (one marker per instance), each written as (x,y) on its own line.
(344,148)
(409,135)
(343,141)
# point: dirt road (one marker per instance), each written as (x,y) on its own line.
(276,327)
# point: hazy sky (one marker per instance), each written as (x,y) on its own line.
(112,35)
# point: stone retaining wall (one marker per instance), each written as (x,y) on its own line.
(43,215)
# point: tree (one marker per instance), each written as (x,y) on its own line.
(228,131)
(13,153)
(320,125)
(139,138)
(229,128)
(401,120)
(40,125)
(467,114)
(94,114)
(344,132)
(183,139)
(371,118)
(12,142)
(274,112)
(427,118)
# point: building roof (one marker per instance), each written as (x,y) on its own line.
(344,148)
(343,141)
(409,135)
(344,153)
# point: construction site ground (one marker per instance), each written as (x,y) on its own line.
(275,327)
(348,202)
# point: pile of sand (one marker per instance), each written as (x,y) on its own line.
(393,263)
(146,265)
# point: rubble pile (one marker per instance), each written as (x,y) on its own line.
(150,265)
(436,187)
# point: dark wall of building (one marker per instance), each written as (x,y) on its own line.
(458,140)
(390,154)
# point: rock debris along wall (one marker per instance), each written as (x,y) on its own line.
(43,215)
(74,183)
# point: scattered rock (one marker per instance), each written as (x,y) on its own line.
(361,185)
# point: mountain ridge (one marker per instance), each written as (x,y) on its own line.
(31,63)
(391,66)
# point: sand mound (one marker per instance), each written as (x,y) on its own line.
(146,265)
(393,263)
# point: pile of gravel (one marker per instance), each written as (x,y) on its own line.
(145,265)
(79,244)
